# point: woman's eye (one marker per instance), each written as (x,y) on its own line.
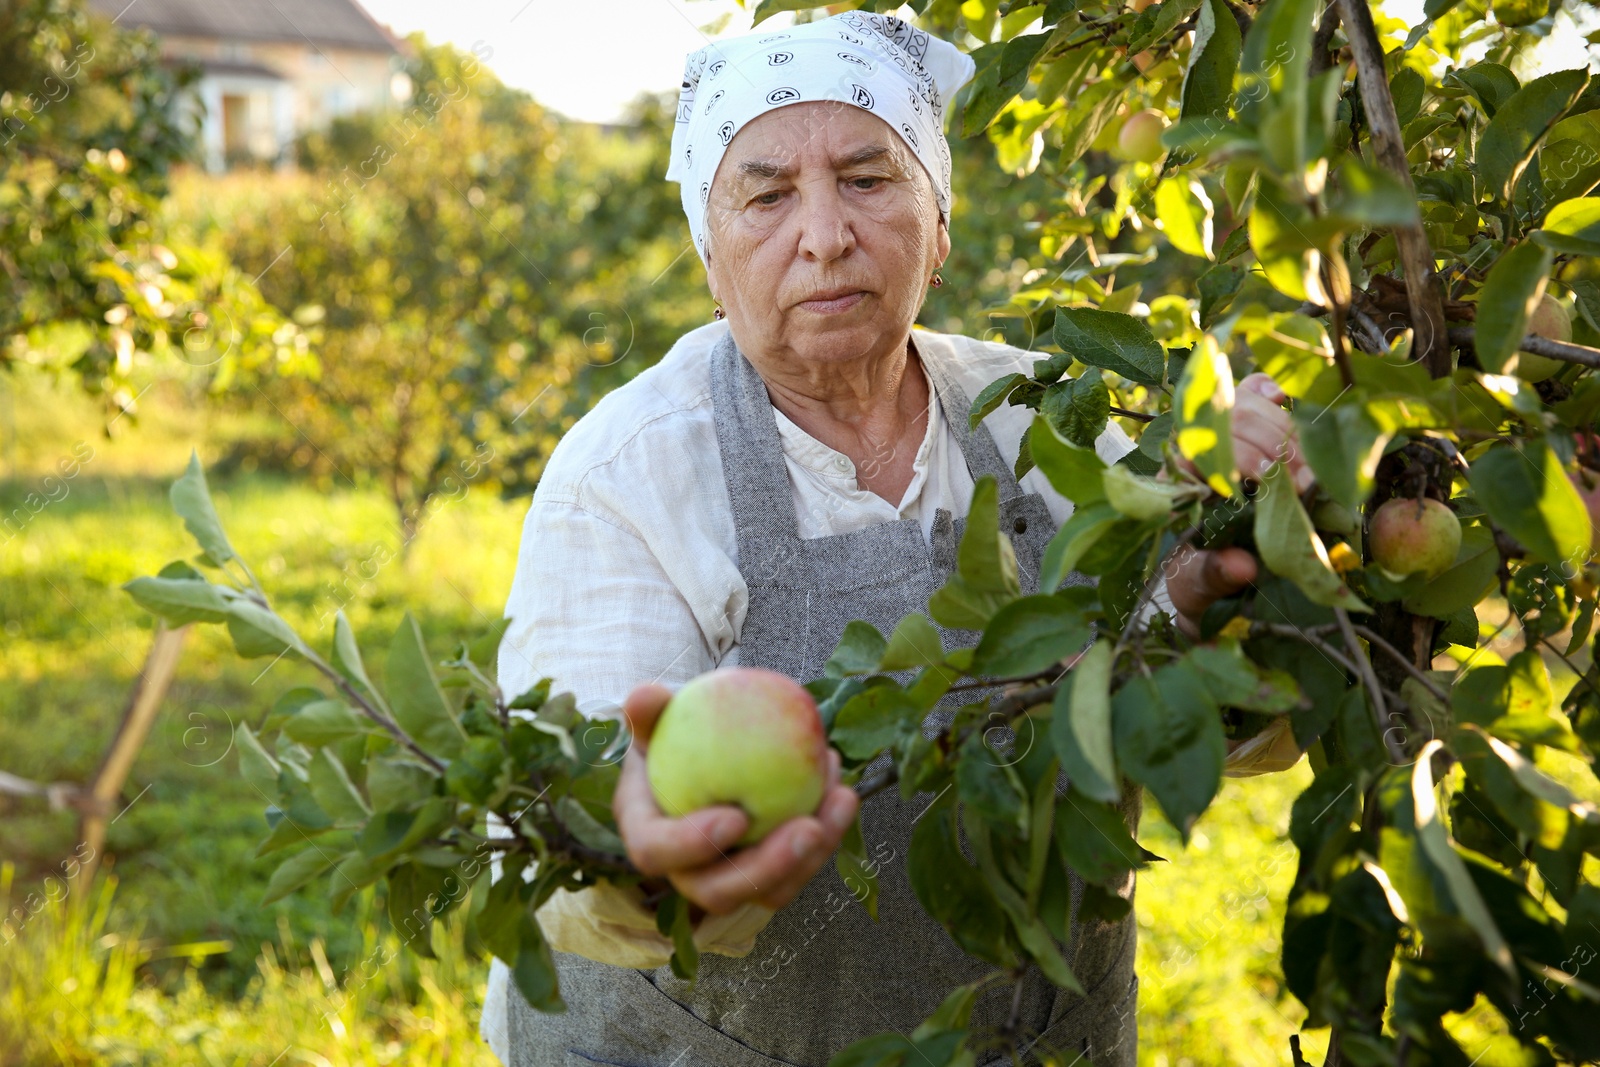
(768,199)
(857,183)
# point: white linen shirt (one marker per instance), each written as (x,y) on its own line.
(628,570)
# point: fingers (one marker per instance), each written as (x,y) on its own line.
(659,844)
(1263,433)
(774,871)
(1263,384)
(642,708)
(1201,577)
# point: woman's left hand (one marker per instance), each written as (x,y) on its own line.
(1263,434)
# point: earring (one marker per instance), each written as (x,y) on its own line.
(719,314)
(936,281)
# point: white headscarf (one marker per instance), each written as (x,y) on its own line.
(877,62)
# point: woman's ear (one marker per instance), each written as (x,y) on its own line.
(943,240)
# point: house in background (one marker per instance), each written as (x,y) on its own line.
(271,71)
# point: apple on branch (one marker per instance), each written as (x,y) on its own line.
(1415,537)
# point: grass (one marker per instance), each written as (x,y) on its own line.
(171,959)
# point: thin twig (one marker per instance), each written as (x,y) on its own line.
(1369,678)
(1125,413)
(1399,657)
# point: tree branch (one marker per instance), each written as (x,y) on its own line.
(1399,657)
(1423,291)
(1466,337)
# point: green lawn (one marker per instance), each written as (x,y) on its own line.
(119,985)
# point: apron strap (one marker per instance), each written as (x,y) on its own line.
(752,451)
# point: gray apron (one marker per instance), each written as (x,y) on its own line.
(822,974)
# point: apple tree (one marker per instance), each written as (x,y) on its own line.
(1402,238)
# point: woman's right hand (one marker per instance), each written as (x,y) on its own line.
(692,852)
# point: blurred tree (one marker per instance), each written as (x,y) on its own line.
(480,272)
(89,284)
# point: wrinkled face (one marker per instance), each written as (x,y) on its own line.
(812,200)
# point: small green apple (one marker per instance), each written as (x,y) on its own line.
(1415,537)
(1140,137)
(1550,320)
(740,735)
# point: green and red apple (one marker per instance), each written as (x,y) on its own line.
(1415,537)
(745,736)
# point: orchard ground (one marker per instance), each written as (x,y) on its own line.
(176,962)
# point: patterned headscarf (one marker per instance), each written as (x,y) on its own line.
(877,62)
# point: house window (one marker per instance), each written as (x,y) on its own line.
(233,51)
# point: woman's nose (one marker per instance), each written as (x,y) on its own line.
(826,230)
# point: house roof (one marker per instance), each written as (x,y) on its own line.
(332,22)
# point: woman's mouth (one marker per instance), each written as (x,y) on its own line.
(834,305)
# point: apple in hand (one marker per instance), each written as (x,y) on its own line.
(1140,137)
(745,736)
(1550,320)
(1415,537)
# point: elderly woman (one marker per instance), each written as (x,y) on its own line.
(799,463)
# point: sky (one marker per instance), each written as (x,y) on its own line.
(586,60)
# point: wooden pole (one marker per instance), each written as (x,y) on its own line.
(97,800)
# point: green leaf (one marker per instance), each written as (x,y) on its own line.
(1029,928)
(1465,582)
(1519,124)
(1119,343)
(347,657)
(256,766)
(419,705)
(1274,69)
(534,969)
(258,631)
(989,788)
(1030,634)
(1203,427)
(995,84)
(1235,682)
(1509,297)
(994,394)
(914,643)
(1513,702)
(1094,839)
(1280,235)
(1087,117)
(1073,541)
(1492,83)
(860,649)
(1435,842)
(1166,16)
(1168,738)
(324,722)
(296,871)
(1080,727)
(334,792)
(1291,548)
(1184,212)
(1293,348)
(985,579)
(1075,473)
(180,600)
(953,892)
(396,784)
(1139,497)
(1572,227)
(872,720)
(1078,407)
(1406,88)
(1342,444)
(859,873)
(953,1013)
(192,500)
(1569,162)
(1213,60)
(1527,494)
